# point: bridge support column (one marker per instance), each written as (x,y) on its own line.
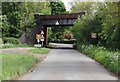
(45,36)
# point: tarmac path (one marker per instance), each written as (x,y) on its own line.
(68,64)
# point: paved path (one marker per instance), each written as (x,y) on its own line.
(68,64)
(62,45)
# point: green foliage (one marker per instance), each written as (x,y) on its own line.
(13,65)
(110,24)
(49,35)
(11,40)
(104,22)
(5,27)
(29,9)
(19,16)
(40,50)
(66,41)
(115,39)
(57,8)
(89,7)
(12,12)
(84,27)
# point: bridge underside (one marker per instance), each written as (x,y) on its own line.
(44,21)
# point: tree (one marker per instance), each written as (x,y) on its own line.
(105,22)
(77,7)
(29,9)
(12,12)
(57,8)
(110,21)
(20,15)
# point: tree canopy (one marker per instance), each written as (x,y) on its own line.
(104,22)
(17,16)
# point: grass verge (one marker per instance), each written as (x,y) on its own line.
(14,65)
(109,59)
(15,45)
(39,50)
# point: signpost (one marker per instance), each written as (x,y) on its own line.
(42,36)
(38,37)
(94,36)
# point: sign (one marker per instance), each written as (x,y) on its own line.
(42,33)
(42,38)
(38,40)
(38,36)
(57,23)
(93,35)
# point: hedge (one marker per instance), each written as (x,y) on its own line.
(11,40)
(67,41)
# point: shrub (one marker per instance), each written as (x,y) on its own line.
(1,41)
(49,35)
(11,40)
(67,41)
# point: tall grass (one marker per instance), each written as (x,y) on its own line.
(14,65)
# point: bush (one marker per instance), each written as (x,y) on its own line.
(1,41)
(67,41)
(11,40)
(49,35)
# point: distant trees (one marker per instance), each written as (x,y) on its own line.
(57,8)
(12,19)
(83,6)
(104,22)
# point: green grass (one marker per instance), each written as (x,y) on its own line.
(15,45)
(39,50)
(14,65)
(107,58)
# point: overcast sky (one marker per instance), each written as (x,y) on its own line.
(67,4)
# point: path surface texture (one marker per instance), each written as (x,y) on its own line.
(68,64)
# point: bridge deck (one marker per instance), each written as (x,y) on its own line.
(60,16)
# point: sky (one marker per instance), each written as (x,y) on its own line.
(67,4)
